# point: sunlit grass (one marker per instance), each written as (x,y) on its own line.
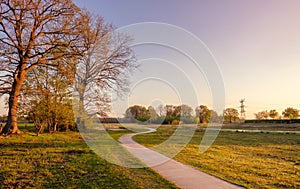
(253,160)
(63,160)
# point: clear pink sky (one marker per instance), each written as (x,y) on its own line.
(256,43)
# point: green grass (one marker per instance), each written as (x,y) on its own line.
(252,160)
(63,160)
(270,126)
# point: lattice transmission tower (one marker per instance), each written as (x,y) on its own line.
(243,112)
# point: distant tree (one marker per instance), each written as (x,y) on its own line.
(290,113)
(262,115)
(132,112)
(169,110)
(137,113)
(182,112)
(231,115)
(266,115)
(273,114)
(258,115)
(185,111)
(32,33)
(214,117)
(203,113)
(152,113)
(176,112)
(160,110)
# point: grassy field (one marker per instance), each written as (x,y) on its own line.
(265,127)
(252,160)
(63,160)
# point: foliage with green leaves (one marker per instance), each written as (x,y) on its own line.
(273,114)
(231,115)
(290,113)
(137,113)
(203,114)
(262,115)
(47,98)
(33,34)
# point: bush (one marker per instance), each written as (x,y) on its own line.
(273,121)
(175,122)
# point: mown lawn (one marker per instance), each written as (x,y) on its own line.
(63,160)
(252,160)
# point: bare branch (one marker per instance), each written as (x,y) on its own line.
(33,33)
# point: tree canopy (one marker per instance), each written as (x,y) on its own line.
(43,40)
(290,113)
(32,33)
(203,113)
(231,115)
(273,114)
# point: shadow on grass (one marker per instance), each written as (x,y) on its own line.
(63,160)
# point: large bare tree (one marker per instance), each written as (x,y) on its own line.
(104,66)
(32,33)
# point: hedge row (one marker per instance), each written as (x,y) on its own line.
(274,121)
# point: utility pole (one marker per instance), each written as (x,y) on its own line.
(243,112)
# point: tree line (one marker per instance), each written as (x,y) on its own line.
(170,114)
(288,113)
(53,53)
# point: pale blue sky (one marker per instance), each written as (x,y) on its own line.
(256,43)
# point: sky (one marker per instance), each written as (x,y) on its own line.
(256,45)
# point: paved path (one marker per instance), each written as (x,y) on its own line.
(182,175)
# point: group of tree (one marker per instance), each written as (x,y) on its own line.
(170,114)
(51,51)
(288,113)
(140,113)
(231,115)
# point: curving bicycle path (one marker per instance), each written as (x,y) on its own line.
(182,175)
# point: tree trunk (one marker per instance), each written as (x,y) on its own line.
(40,128)
(81,110)
(11,126)
(54,127)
